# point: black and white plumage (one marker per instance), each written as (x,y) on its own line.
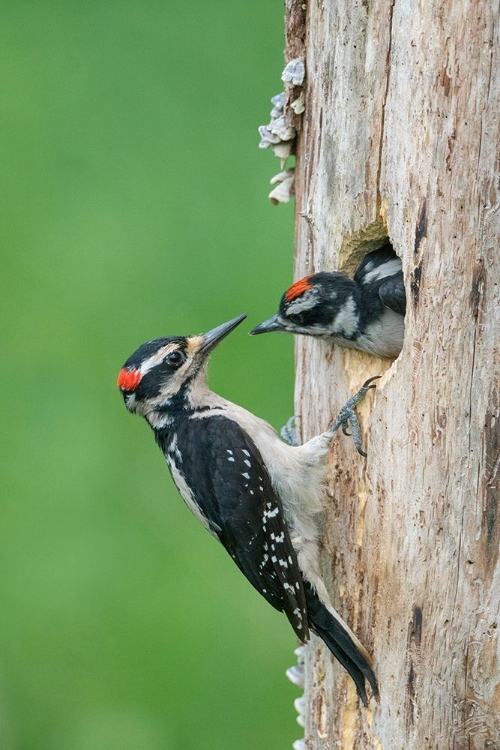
(258,496)
(232,489)
(365,312)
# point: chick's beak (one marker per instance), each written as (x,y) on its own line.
(273,324)
(212,338)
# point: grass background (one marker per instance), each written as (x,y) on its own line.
(134,205)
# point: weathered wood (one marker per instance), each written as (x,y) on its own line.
(400,137)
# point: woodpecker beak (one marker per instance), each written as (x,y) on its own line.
(273,324)
(212,338)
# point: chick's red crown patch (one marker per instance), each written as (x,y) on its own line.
(300,286)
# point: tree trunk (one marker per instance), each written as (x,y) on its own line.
(400,139)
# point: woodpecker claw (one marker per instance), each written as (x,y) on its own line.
(369,383)
(288,431)
(347,415)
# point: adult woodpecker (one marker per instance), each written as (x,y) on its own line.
(258,496)
(365,312)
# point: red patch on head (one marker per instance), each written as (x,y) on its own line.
(300,286)
(128,380)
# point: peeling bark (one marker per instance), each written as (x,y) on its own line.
(400,138)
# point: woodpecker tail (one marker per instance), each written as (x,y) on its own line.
(342,643)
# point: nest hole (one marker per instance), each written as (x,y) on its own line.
(358,245)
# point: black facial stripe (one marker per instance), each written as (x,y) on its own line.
(304,317)
(332,291)
(150,348)
(153,381)
(323,284)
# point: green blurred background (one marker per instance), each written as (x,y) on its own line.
(134,205)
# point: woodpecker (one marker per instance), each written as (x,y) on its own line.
(365,312)
(258,496)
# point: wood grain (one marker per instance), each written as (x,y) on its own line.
(400,138)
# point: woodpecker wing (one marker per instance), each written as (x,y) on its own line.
(229,483)
(382,271)
(392,293)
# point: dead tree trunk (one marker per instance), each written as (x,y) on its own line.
(400,139)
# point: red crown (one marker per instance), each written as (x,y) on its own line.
(128,380)
(300,286)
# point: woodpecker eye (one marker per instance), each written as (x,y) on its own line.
(175,358)
(297,318)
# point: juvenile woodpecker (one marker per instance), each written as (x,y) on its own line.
(258,496)
(365,312)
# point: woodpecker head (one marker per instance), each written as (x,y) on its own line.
(319,305)
(163,369)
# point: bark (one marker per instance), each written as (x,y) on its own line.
(400,138)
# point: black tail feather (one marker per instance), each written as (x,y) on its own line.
(340,643)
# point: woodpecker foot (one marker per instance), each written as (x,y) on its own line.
(347,415)
(289,431)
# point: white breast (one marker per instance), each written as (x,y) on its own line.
(384,337)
